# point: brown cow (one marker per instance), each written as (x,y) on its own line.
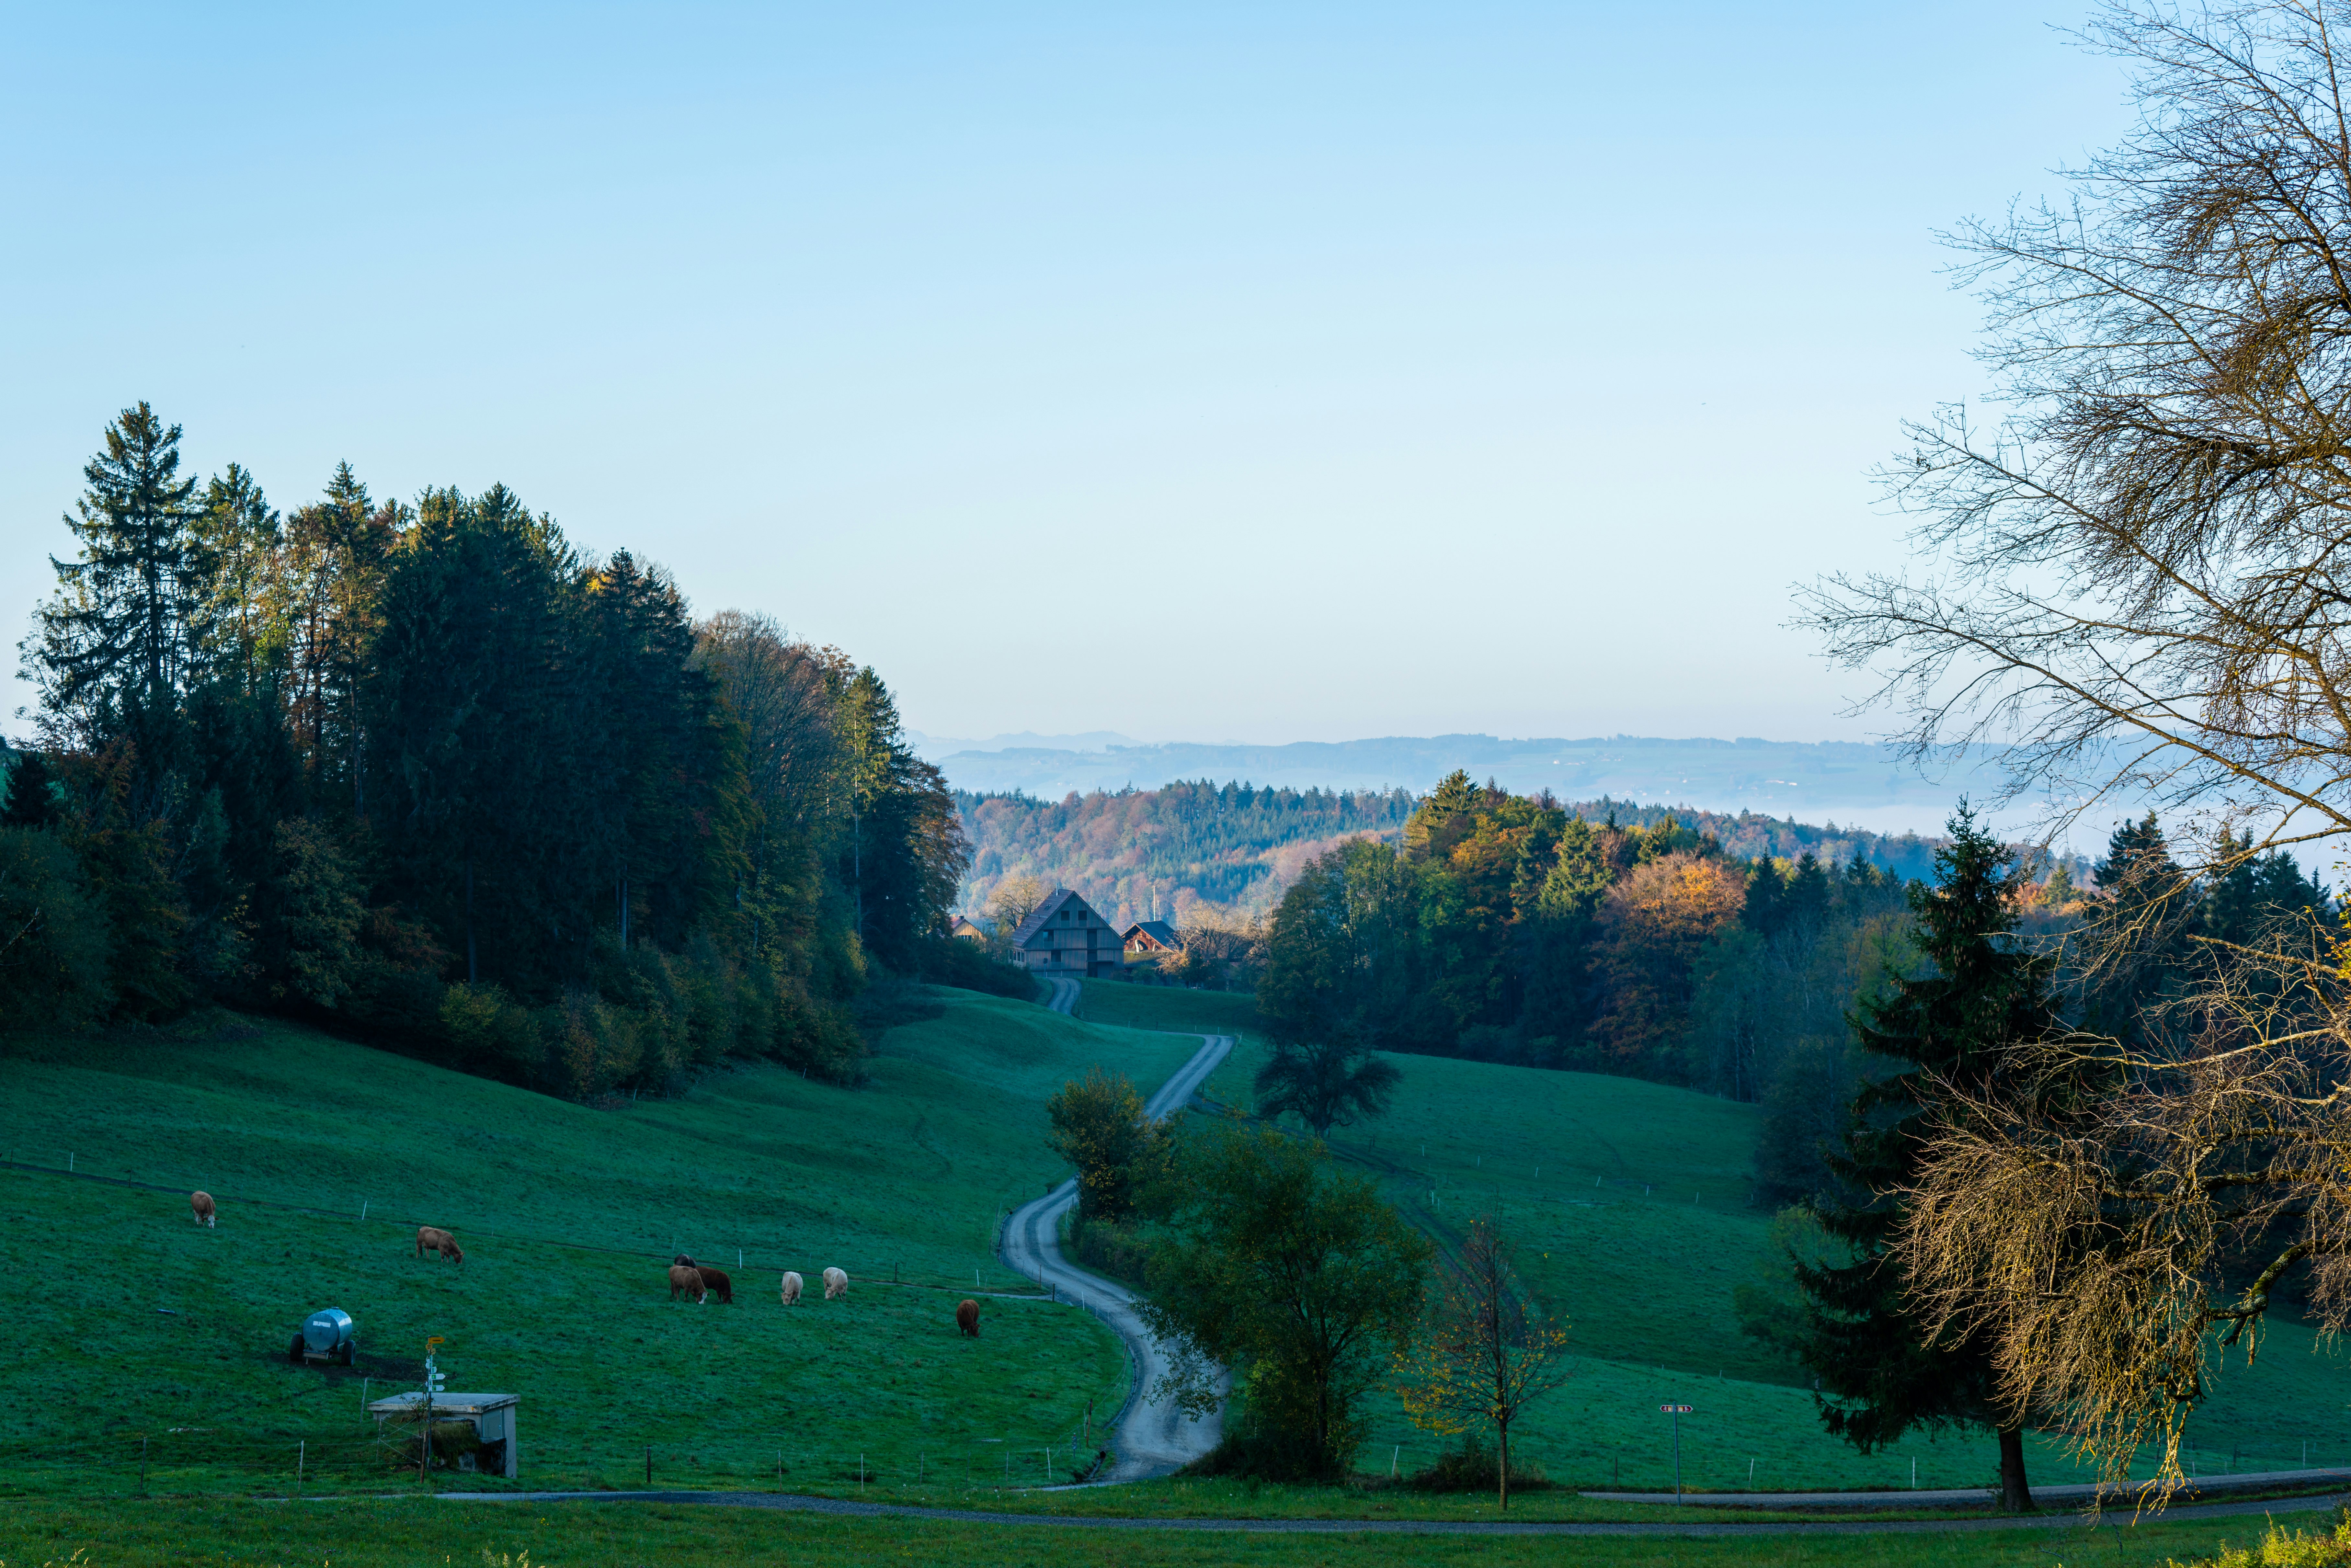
(715,1281)
(439,1242)
(689,1280)
(967,1318)
(791,1283)
(202,1202)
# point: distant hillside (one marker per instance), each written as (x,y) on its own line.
(1817,780)
(1162,853)
(1143,854)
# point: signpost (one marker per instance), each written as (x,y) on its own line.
(435,1376)
(1677,1412)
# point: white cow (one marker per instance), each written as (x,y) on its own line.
(836,1283)
(791,1289)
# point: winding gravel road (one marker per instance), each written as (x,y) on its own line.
(1150,1437)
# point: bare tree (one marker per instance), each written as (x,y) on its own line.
(2137,582)
(1016,898)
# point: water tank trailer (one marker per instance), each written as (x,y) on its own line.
(325,1336)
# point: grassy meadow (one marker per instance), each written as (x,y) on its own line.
(1629,1203)
(394,1533)
(158,1334)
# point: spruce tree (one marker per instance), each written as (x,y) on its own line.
(1954,1023)
(129,614)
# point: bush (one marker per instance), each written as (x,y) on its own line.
(2280,1549)
(1110,1249)
(1472,1466)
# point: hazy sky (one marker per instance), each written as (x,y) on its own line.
(1264,372)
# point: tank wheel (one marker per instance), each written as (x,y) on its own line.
(293,1351)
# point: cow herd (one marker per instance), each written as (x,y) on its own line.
(696,1281)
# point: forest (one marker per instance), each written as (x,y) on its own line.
(1514,929)
(431,774)
(1167,853)
(1231,851)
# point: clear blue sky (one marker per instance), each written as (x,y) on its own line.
(1268,373)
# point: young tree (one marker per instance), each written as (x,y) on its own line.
(1957,1029)
(1292,1272)
(1481,1356)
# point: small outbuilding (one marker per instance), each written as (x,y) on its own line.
(494,1449)
(1150,938)
(965,926)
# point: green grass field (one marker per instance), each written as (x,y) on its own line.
(140,1332)
(127,1534)
(149,1327)
(1629,1203)
(1130,1006)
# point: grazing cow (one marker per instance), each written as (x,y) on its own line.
(836,1283)
(791,1289)
(202,1202)
(684,1261)
(689,1280)
(967,1318)
(430,1239)
(715,1281)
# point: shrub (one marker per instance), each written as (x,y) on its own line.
(1473,1468)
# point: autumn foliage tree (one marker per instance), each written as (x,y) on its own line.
(1100,1127)
(1481,1356)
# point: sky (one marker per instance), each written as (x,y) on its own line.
(1262,372)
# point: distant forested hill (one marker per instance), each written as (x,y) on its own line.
(1143,855)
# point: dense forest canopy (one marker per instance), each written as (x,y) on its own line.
(1518,929)
(433,773)
(1233,849)
(1163,854)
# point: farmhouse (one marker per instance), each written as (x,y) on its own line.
(964,927)
(1066,938)
(1151,937)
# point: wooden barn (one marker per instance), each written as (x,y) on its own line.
(1065,937)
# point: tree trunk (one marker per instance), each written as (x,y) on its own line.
(2016,1496)
(472,974)
(1502,1443)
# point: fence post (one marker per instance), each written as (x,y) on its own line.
(301,1461)
(142,1464)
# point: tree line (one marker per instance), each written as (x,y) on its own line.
(431,773)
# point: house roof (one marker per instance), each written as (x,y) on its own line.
(1159,931)
(1060,899)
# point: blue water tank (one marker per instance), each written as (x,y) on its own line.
(327,1331)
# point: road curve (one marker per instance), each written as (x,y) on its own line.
(1150,1437)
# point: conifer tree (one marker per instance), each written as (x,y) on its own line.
(1951,1025)
(123,623)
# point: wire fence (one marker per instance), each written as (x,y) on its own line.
(376,1456)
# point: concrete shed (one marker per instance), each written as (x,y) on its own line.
(492,1416)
